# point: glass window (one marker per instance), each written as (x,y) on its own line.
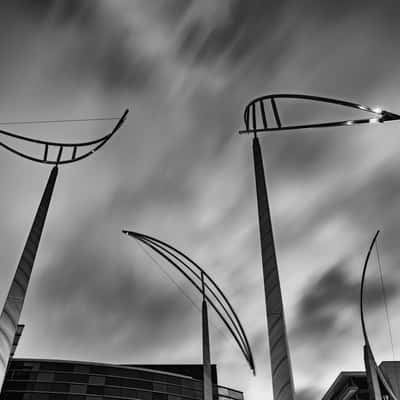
(159,377)
(45,376)
(145,375)
(198,385)
(159,387)
(75,388)
(188,383)
(97,380)
(59,396)
(40,396)
(10,385)
(135,383)
(22,375)
(48,366)
(126,373)
(144,395)
(32,366)
(93,398)
(68,377)
(76,397)
(99,369)
(64,377)
(20,365)
(131,393)
(198,394)
(174,389)
(80,378)
(112,391)
(235,395)
(95,389)
(60,387)
(83,369)
(13,396)
(65,367)
(172,397)
(159,396)
(174,380)
(27,396)
(188,392)
(42,387)
(113,381)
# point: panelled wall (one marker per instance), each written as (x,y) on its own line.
(64,380)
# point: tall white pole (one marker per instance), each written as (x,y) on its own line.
(12,309)
(281,370)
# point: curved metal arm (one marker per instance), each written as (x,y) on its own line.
(94,145)
(256,121)
(380,374)
(204,285)
(207,286)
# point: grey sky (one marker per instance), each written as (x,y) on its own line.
(178,171)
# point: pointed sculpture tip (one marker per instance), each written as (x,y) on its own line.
(130,233)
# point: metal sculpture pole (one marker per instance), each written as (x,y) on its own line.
(211,294)
(281,369)
(375,376)
(207,379)
(16,295)
(12,308)
(257,120)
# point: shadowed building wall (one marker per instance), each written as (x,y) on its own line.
(353,385)
(36,379)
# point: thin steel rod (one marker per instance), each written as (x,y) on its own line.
(276,113)
(263,115)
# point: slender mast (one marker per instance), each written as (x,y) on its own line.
(281,370)
(11,312)
(207,379)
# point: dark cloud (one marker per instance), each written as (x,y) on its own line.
(333,293)
(178,171)
(90,294)
(88,46)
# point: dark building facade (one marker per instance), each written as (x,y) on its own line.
(354,385)
(37,379)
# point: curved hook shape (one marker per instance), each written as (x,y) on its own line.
(94,146)
(200,279)
(256,120)
(364,330)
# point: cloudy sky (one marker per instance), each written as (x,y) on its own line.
(178,170)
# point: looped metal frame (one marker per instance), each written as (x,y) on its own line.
(59,146)
(205,285)
(255,112)
(380,374)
